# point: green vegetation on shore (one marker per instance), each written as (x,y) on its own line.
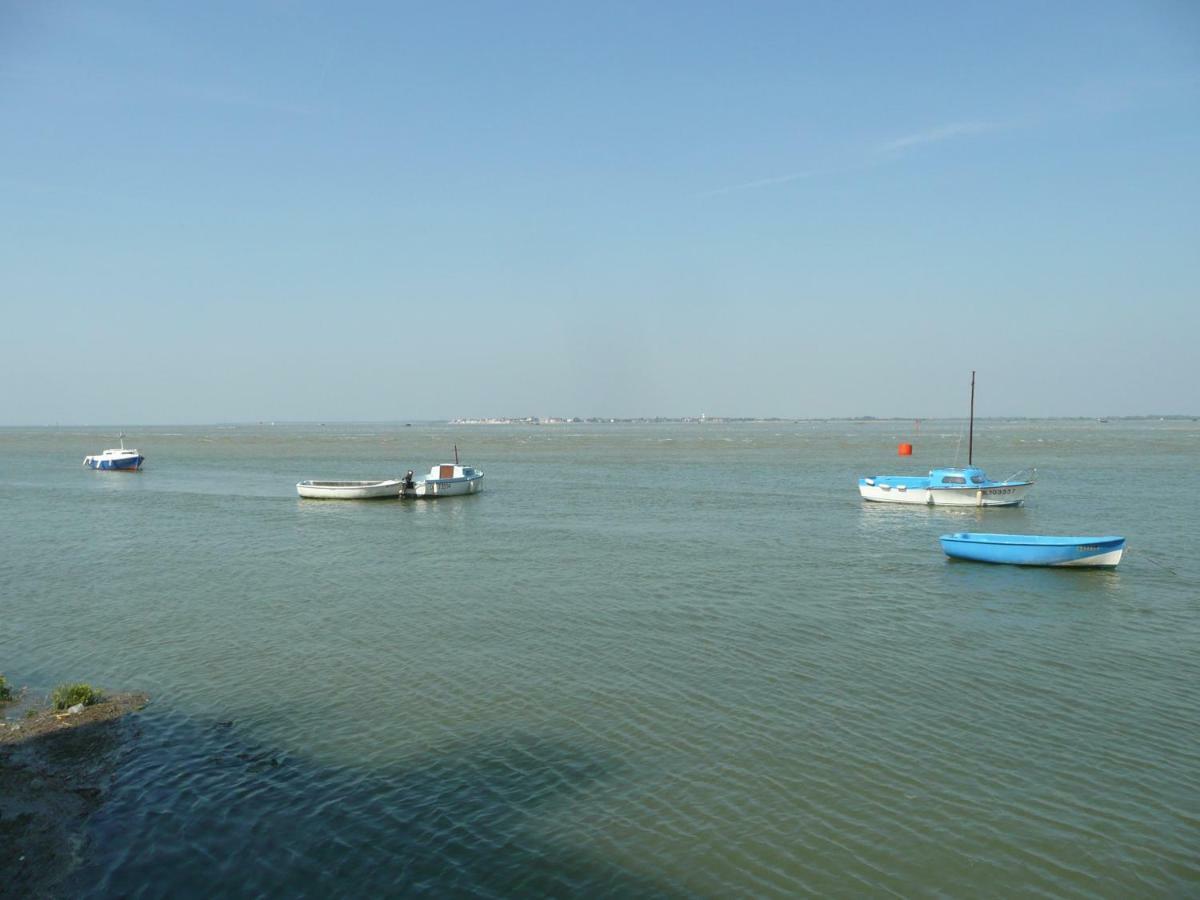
(6,693)
(67,695)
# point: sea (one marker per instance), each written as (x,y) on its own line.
(648,660)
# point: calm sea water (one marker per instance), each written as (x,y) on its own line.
(656,660)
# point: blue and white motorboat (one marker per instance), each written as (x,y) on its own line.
(952,486)
(944,487)
(1034,549)
(117,459)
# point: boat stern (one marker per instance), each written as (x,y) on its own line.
(894,489)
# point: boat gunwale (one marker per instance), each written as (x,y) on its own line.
(350,485)
(979,487)
(1031,540)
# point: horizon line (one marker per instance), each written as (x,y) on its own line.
(468,421)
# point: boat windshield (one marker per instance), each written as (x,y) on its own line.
(953,479)
(978,479)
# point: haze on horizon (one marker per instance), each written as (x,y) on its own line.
(254,211)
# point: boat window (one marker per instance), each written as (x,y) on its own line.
(953,479)
(977,479)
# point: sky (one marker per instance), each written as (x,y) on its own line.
(380,211)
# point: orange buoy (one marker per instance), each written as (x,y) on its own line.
(904,450)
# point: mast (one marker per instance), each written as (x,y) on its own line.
(971,427)
(456,454)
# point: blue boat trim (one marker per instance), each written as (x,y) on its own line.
(945,486)
(971,478)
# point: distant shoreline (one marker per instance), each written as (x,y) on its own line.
(726,420)
(603,420)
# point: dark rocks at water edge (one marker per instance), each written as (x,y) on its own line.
(55,769)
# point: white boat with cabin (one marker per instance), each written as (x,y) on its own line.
(948,486)
(446,480)
(116,459)
(969,486)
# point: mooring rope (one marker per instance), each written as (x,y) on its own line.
(1141,551)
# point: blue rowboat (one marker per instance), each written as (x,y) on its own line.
(1034,549)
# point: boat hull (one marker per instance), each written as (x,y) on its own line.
(912,491)
(349,490)
(114,463)
(919,492)
(1035,550)
(1012,494)
(447,487)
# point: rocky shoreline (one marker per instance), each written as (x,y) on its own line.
(55,768)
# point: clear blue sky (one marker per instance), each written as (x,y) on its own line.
(313,211)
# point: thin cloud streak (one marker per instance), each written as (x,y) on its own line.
(762,182)
(881,152)
(1104,98)
(938,135)
(795,176)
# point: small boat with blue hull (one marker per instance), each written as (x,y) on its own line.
(944,487)
(117,459)
(1034,549)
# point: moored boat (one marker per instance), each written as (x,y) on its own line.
(116,459)
(944,487)
(951,486)
(446,480)
(1035,549)
(349,490)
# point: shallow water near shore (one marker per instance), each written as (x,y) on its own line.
(647,660)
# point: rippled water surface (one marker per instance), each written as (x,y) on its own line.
(647,660)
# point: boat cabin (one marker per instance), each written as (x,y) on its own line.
(958,477)
(449,472)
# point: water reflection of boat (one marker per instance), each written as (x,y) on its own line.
(117,459)
(1034,549)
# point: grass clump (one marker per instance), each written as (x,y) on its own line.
(5,691)
(66,695)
